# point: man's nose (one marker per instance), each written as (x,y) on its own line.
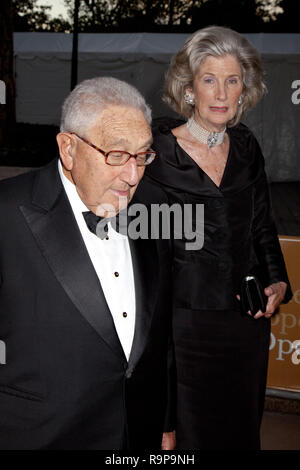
(130,173)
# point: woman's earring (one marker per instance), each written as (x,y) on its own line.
(188,99)
(240,100)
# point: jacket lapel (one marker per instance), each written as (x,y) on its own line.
(53,225)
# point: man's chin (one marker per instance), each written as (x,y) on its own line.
(111,210)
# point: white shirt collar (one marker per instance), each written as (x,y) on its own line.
(79,207)
(73,196)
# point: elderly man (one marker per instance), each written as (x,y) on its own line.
(85,320)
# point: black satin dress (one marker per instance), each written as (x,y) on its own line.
(221,356)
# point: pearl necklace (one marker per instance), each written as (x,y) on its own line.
(206,137)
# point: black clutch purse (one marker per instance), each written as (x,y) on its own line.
(253,297)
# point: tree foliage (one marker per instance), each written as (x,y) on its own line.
(29,16)
(287,21)
(128,15)
(161,15)
(182,15)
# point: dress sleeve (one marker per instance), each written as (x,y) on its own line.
(264,231)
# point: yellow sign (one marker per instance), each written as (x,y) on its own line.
(284,361)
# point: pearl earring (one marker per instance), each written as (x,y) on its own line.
(240,100)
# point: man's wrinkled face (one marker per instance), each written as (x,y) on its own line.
(101,186)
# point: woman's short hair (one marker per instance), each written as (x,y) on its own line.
(83,105)
(214,41)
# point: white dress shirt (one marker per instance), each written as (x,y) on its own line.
(111,258)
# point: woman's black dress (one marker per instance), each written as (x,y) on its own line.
(221,356)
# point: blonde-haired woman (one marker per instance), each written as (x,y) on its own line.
(214,160)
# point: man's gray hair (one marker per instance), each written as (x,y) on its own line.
(89,98)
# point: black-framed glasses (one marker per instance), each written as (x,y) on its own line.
(120,157)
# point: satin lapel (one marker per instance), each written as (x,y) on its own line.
(58,237)
(145,268)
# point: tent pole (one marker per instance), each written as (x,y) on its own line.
(74,66)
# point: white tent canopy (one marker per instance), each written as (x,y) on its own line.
(43,76)
(145,43)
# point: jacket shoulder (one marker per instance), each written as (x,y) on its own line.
(244,141)
(17,188)
(241,132)
(161,129)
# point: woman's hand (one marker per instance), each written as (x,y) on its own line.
(275,293)
(168,441)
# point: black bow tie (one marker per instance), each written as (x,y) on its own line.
(99,225)
(92,220)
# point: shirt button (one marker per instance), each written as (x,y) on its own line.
(124,314)
(116,274)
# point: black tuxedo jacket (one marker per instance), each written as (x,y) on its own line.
(66,383)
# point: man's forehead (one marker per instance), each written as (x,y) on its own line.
(120,113)
(119,125)
(123,142)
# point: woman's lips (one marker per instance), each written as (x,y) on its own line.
(219,109)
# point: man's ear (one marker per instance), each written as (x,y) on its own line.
(66,145)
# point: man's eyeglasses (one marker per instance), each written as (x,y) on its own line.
(120,157)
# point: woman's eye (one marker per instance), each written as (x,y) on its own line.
(208,80)
(232,80)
